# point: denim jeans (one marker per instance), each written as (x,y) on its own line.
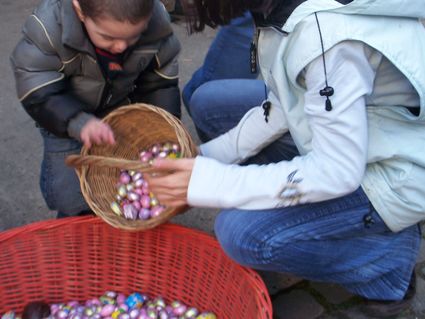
(228,57)
(59,183)
(217,106)
(343,240)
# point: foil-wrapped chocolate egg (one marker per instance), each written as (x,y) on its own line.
(144,213)
(116,208)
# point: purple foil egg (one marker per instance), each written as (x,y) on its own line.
(144,214)
(133,196)
(130,212)
(139,183)
(62,314)
(125,178)
(134,313)
(54,308)
(175,148)
(137,176)
(111,294)
(155,149)
(162,154)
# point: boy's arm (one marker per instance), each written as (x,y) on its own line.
(158,84)
(41,86)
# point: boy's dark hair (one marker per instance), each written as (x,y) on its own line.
(121,10)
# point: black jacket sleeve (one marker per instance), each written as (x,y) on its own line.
(52,108)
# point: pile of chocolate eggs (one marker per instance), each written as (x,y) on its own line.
(133,199)
(114,305)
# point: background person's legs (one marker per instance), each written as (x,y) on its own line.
(228,57)
(217,106)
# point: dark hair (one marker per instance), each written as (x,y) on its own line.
(200,13)
(121,10)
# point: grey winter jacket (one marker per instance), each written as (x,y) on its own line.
(60,83)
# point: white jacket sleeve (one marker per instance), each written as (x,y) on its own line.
(334,166)
(250,136)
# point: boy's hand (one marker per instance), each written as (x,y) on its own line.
(96,132)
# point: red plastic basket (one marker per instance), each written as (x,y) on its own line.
(81,258)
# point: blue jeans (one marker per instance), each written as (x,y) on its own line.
(343,240)
(59,183)
(228,57)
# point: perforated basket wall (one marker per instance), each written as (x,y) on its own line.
(136,127)
(82,257)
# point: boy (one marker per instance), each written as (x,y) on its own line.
(81,59)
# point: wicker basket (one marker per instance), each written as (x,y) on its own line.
(80,258)
(136,127)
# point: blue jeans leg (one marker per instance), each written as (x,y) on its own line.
(217,106)
(59,183)
(228,56)
(327,241)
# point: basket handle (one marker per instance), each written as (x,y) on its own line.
(77,161)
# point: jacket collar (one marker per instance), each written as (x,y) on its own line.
(73,33)
(278,16)
(75,36)
(286,19)
(288,13)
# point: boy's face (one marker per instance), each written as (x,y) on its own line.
(109,34)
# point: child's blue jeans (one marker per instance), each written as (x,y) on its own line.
(343,240)
(59,183)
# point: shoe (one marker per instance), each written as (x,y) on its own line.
(389,309)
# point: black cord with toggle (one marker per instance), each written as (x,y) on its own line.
(267,105)
(327,90)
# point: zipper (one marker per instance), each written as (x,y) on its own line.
(253,51)
(106,94)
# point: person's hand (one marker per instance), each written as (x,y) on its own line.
(96,132)
(171,182)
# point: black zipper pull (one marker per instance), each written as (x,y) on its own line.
(266,107)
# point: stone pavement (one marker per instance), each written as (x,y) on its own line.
(21,202)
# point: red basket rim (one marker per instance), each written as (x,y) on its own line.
(252,277)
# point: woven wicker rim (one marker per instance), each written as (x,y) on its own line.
(188,149)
